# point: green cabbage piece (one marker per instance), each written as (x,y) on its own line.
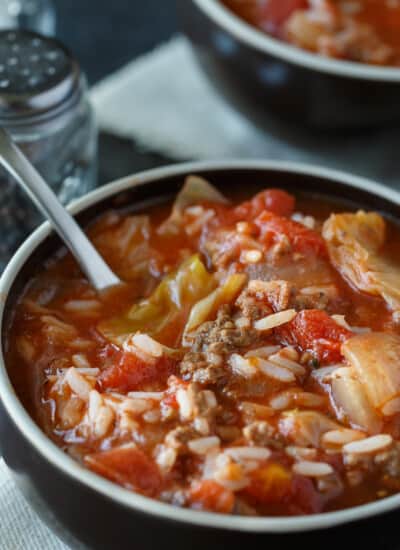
(194,191)
(169,304)
(226,293)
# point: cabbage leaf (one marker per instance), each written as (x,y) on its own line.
(166,309)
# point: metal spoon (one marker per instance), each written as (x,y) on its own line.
(90,261)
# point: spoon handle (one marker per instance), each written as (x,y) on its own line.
(90,261)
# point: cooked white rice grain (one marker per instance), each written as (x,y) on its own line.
(301,453)
(83,307)
(152,417)
(307,221)
(340,320)
(210,399)
(251,256)
(263,352)
(201,425)
(255,410)
(308,399)
(338,438)
(312,469)
(195,210)
(185,404)
(323,375)
(241,366)
(136,406)
(153,395)
(231,479)
(281,401)
(275,320)
(88,372)
(275,371)
(95,402)
(327,290)
(369,445)
(289,352)
(282,361)
(166,458)
(77,383)
(144,343)
(248,453)
(103,421)
(203,445)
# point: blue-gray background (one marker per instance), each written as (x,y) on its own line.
(104,35)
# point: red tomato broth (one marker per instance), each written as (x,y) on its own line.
(121,371)
(381,17)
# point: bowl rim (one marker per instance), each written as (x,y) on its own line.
(244,32)
(118,495)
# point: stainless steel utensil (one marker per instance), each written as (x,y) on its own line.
(92,264)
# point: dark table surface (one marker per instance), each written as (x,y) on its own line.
(104,35)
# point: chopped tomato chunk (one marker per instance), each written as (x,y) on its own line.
(303,240)
(313,330)
(304,497)
(269,484)
(129,467)
(209,495)
(276,12)
(131,372)
(274,200)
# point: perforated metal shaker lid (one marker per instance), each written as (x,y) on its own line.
(37,74)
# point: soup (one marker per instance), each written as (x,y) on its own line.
(249,364)
(367,31)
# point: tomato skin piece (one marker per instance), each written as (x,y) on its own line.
(313,330)
(129,467)
(131,372)
(273,200)
(303,240)
(209,495)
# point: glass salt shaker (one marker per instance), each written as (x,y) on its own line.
(44,105)
(35,15)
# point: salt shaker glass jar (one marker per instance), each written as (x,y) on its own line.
(44,105)
(35,15)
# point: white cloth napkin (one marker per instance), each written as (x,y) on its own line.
(20,528)
(163,102)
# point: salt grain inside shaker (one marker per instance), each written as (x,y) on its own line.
(44,105)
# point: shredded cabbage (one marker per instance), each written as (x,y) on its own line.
(353,242)
(375,357)
(167,306)
(226,293)
(194,191)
